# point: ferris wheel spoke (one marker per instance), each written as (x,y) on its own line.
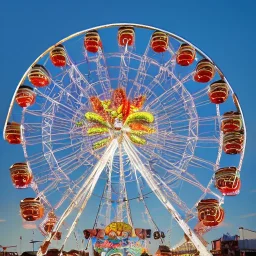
(177,139)
(141,72)
(148,177)
(44,199)
(124,68)
(176,171)
(161,99)
(61,122)
(201,120)
(101,70)
(187,78)
(166,106)
(86,188)
(174,108)
(49,188)
(202,163)
(175,198)
(207,132)
(69,111)
(79,79)
(172,153)
(201,98)
(70,98)
(155,81)
(53,163)
(208,142)
(42,169)
(182,174)
(63,198)
(71,162)
(38,162)
(174,137)
(169,150)
(201,93)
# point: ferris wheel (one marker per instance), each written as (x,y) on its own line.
(136,109)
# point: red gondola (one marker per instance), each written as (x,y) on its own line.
(21,175)
(159,41)
(25,96)
(210,212)
(51,221)
(39,76)
(227,180)
(218,92)
(233,142)
(57,236)
(58,56)
(185,55)
(13,133)
(126,35)
(31,209)
(92,41)
(205,71)
(231,122)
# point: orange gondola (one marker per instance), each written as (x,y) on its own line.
(31,209)
(218,92)
(159,41)
(25,96)
(231,122)
(185,55)
(233,142)
(92,41)
(58,56)
(205,71)
(126,35)
(21,175)
(39,76)
(57,235)
(210,212)
(51,221)
(227,180)
(13,133)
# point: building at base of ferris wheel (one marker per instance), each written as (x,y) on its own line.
(243,244)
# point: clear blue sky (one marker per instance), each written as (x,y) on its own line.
(224,30)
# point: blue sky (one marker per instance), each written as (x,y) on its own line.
(224,31)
